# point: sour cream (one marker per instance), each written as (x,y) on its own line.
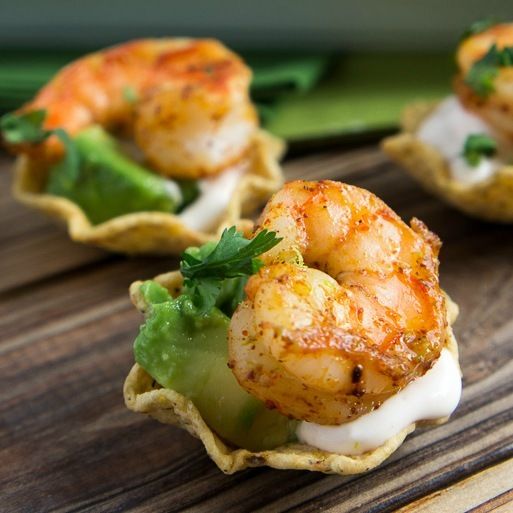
(432,396)
(447,129)
(215,195)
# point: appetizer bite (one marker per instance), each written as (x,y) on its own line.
(150,146)
(318,344)
(462,148)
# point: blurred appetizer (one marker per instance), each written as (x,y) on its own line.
(317,344)
(462,148)
(150,146)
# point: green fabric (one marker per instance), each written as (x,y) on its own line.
(300,97)
(361,93)
(278,74)
(23,72)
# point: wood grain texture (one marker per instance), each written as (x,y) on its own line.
(488,490)
(67,443)
(33,247)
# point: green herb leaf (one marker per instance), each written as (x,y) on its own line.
(206,269)
(233,256)
(27,127)
(130,94)
(478,146)
(190,191)
(481,76)
(479,26)
(231,294)
(204,293)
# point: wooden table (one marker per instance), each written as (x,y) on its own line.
(67,443)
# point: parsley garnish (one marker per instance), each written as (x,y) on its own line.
(479,26)
(28,128)
(130,94)
(478,146)
(207,270)
(481,76)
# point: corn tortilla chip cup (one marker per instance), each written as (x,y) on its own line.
(491,200)
(156,232)
(143,395)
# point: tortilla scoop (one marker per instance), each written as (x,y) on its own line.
(491,200)
(157,233)
(143,395)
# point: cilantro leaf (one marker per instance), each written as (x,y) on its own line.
(481,76)
(232,293)
(28,128)
(203,293)
(232,256)
(478,145)
(207,270)
(479,26)
(129,94)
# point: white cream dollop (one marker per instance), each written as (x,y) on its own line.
(447,129)
(215,195)
(432,396)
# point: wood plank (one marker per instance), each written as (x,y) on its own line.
(33,247)
(485,491)
(67,443)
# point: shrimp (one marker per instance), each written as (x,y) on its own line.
(186,103)
(496,108)
(345,312)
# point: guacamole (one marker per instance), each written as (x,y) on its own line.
(109,184)
(188,352)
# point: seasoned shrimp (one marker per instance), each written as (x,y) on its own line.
(495,108)
(186,102)
(346,310)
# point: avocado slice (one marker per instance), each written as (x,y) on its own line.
(189,353)
(109,183)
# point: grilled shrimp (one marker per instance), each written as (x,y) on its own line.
(345,312)
(495,108)
(186,103)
